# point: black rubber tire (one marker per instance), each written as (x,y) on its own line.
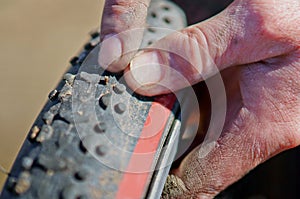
(54,162)
(38,172)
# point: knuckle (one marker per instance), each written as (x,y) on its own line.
(198,49)
(277,20)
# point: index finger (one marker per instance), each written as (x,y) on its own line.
(120,16)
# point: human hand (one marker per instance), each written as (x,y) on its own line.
(256,46)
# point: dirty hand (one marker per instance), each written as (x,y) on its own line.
(256,46)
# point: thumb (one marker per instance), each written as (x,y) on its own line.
(245,32)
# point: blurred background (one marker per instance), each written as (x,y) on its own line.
(37,39)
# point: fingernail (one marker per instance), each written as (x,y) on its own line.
(146,69)
(110,50)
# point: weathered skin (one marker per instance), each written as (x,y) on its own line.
(256,45)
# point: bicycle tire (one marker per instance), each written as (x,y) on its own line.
(55,162)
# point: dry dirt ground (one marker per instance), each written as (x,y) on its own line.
(37,38)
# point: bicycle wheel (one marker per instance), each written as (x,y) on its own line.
(88,139)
